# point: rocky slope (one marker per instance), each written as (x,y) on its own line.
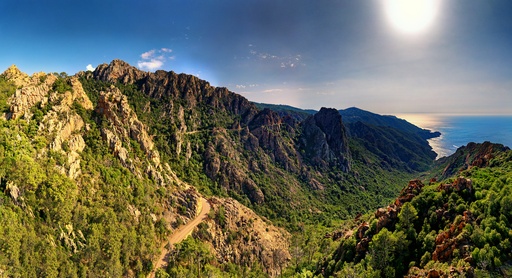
(87,167)
(240,236)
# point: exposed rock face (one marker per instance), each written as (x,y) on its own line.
(169,85)
(15,75)
(32,90)
(61,122)
(125,126)
(324,140)
(244,238)
(119,71)
(267,127)
(223,164)
(79,94)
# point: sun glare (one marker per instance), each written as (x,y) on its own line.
(411,16)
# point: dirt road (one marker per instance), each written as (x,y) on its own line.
(180,235)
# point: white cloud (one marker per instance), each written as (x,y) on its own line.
(154,59)
(150,65)
(90,67)
(290,61)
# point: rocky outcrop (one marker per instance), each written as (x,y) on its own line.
(386,217)
(119,71)
(31,91)
(16,76)
(460,184)
(471,155)
(61,123)
(171,86)
(124,126)
(324,140)
(410,191)
(242,237)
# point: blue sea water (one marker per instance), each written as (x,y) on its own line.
(457,131)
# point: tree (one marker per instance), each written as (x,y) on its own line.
(408,214)
(381,249)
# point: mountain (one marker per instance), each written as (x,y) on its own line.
(99,168)
(457,227)
(287,110)
(397,143)
(353,115)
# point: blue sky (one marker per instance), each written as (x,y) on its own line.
(303,53)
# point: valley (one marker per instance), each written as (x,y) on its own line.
(96,168)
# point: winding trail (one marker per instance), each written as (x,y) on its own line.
(180,235)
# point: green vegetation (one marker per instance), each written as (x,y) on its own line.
(108,222)
(7,89)
(455,226)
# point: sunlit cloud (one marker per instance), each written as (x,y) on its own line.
(90,67)
(153,64)
(154,59)
(147,55)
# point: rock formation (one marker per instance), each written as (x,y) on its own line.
(324,140)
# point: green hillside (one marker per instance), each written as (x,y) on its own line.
(460,226)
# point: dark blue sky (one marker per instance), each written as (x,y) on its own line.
(299,52)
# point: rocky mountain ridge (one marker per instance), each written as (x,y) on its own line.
(301,155)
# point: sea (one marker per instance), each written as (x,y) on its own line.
(458,130)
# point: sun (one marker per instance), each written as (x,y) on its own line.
(411,16)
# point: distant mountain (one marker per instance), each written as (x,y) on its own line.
(397,143)
(286,110)
(353,114)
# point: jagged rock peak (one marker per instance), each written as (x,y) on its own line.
(324,139)
(12,71)
(118,70)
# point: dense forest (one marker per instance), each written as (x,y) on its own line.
(97,170)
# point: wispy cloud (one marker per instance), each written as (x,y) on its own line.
(242,86)
(269,91)
(154,59)
(90,67)
(147,55)
(288,61)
